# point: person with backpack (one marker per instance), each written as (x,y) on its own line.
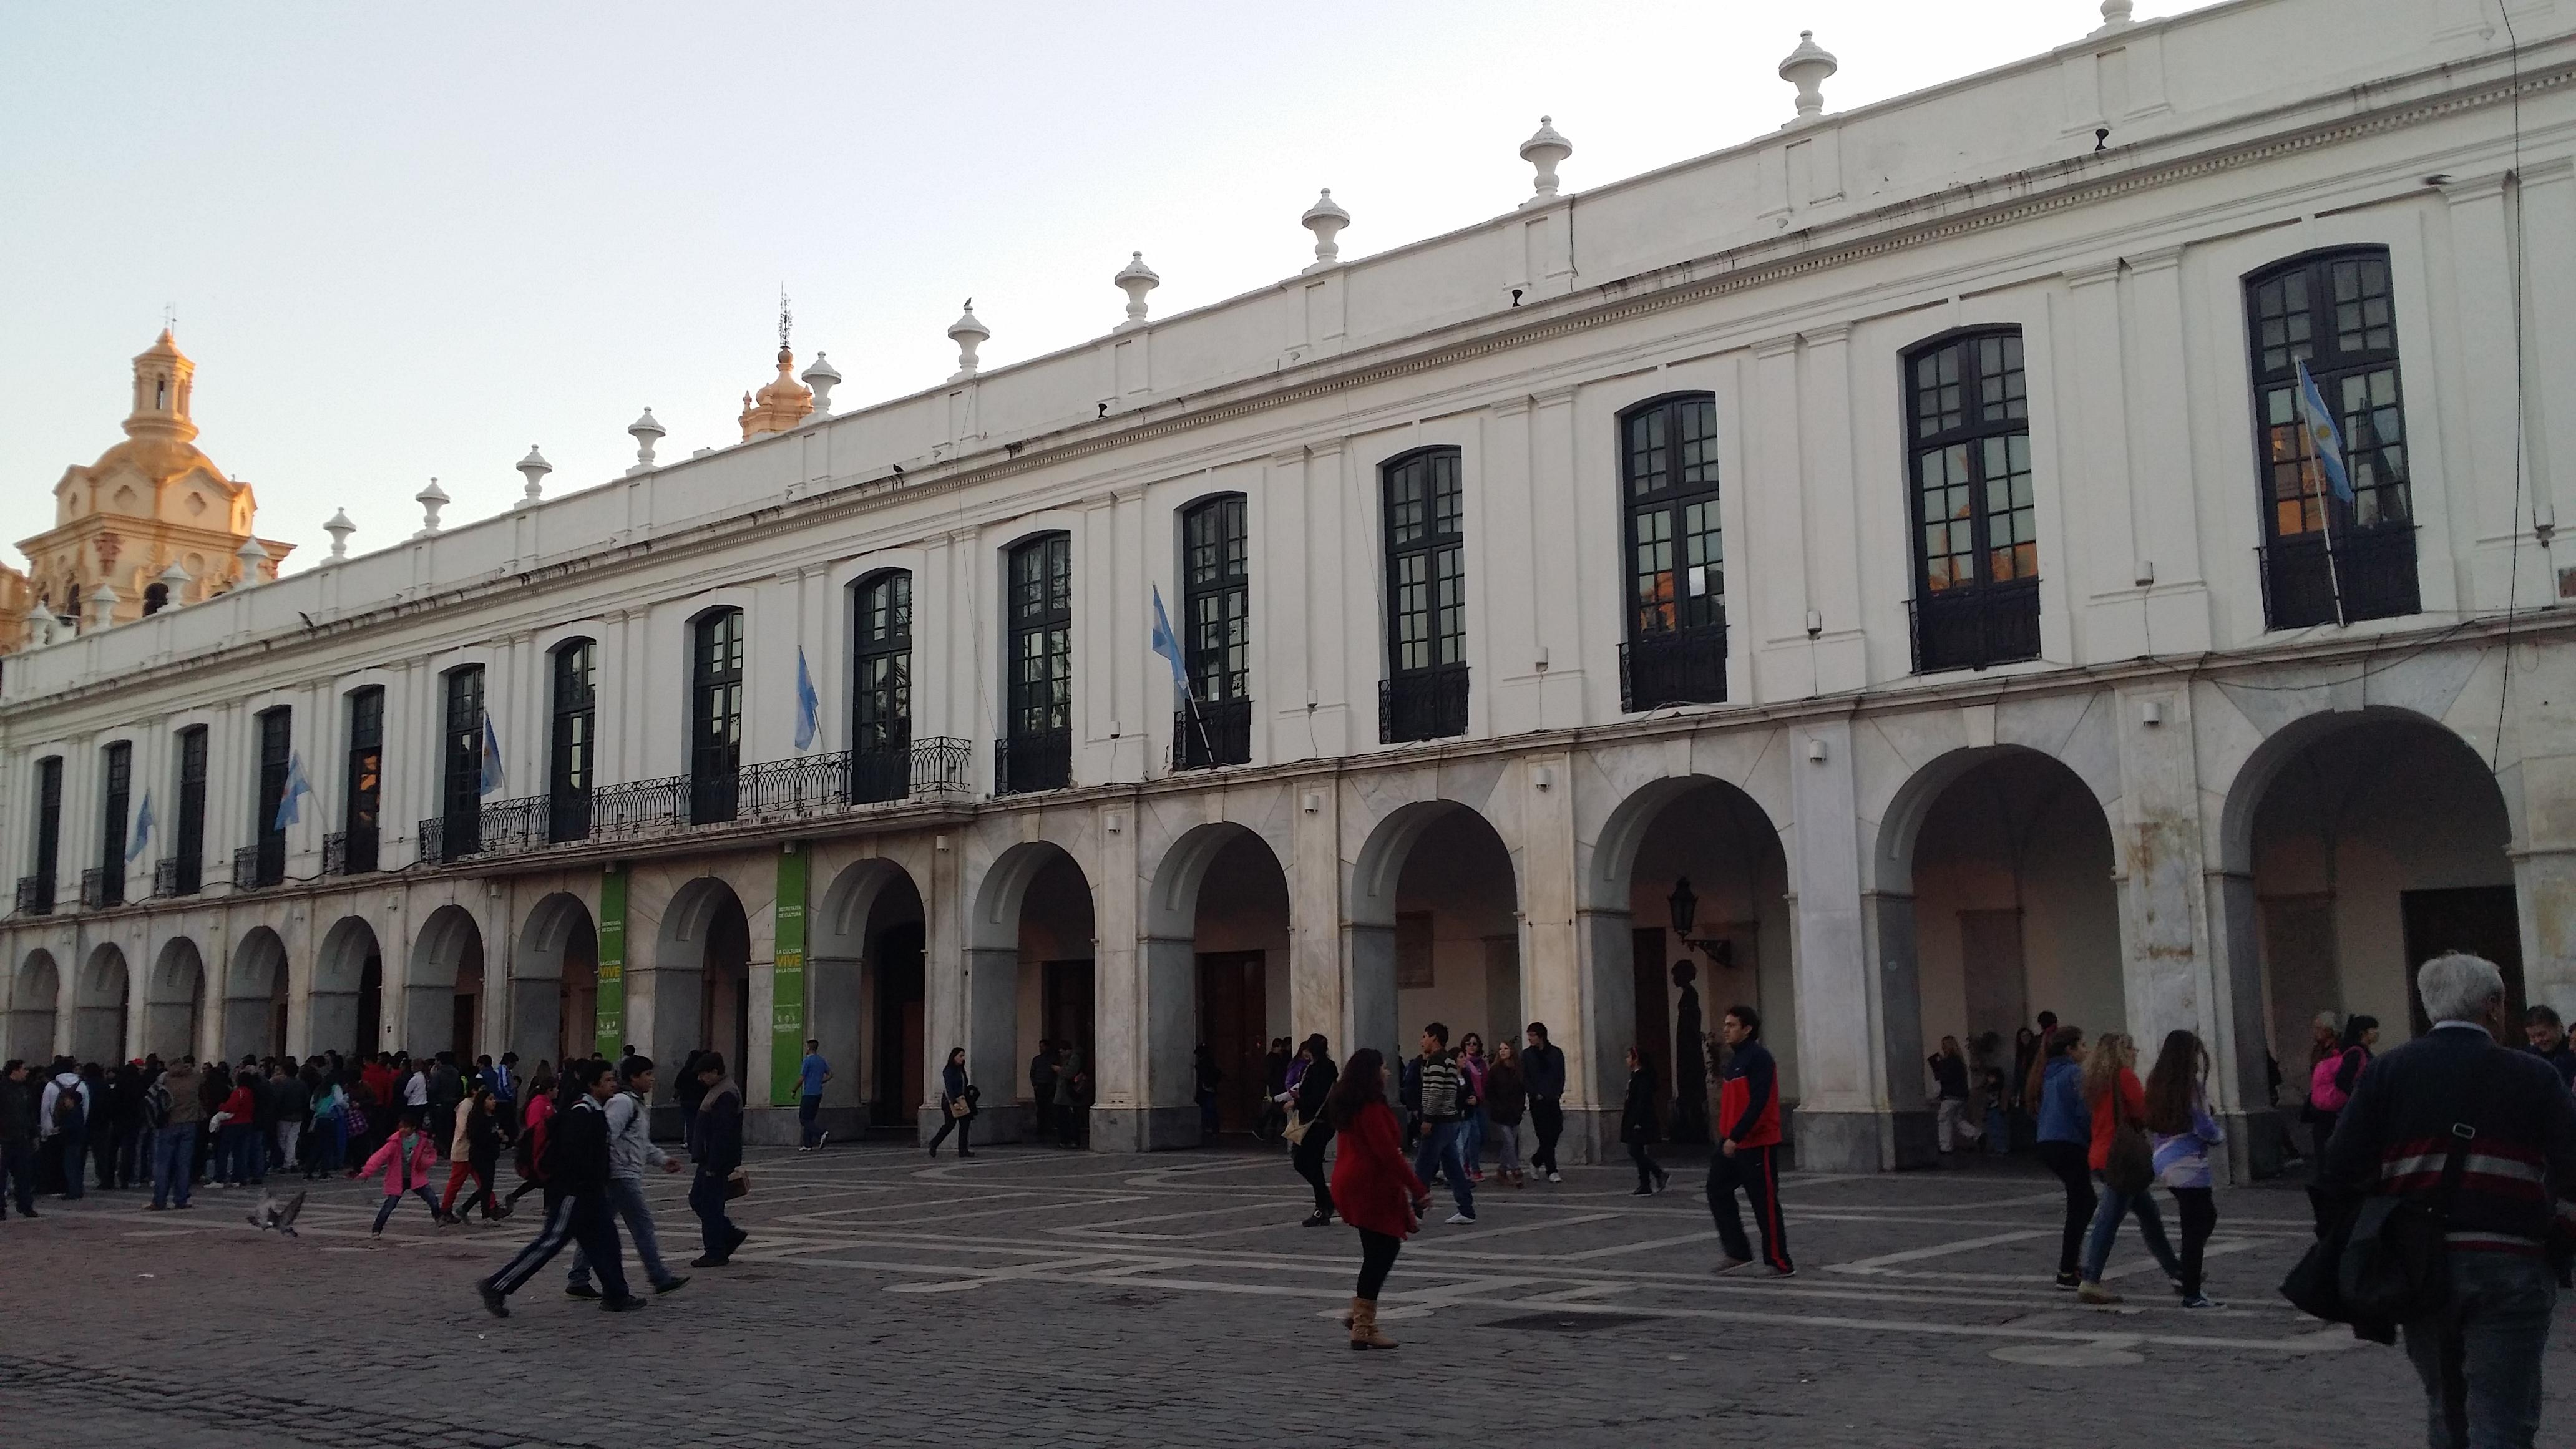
(2330,1086)
(407,1159)
(575,1165)
(2454,1115)
(2178,1117)
(2122,1163)
(65,1117)
(630,1151)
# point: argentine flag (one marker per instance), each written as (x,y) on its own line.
(1168,645)
(142,829)
(809,705)
(2317,420)
(493,775)
(296,789)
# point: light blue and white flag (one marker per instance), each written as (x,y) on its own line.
(1167,644)
(494,777)
(296,789)
(2317,420)
(809,705)
(142,829)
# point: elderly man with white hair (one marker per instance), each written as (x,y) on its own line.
(2510,1119)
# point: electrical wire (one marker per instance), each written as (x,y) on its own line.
(2513,547)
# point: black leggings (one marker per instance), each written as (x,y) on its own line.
(1308,1158)
(2199,1218)
(2069,1161)
(1648,1169)
(962,1126)
(1377,1259)
(1547,1119)
(522,1190)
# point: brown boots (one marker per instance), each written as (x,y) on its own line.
(1363,1321)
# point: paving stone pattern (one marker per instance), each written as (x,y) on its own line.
(1038,1297)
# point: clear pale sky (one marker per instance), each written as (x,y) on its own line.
(406,241)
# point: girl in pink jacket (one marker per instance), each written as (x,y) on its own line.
(407,1159)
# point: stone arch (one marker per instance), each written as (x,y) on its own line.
(255,1008)
(866,994)
(554,981)
(443,986)
(1214,956)
(344,1008)
(99,1003)
(1029,940)
(34,998)
(701,978)
(1472,876)
(174,1000)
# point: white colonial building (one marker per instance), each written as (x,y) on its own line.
(1897,527)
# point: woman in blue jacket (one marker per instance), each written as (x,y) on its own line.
(2065,1143)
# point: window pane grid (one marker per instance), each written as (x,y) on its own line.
(1676,552)
(1973,491)
(2336,314)
(1216,600)
(1426,563)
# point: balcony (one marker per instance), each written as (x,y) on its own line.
(1685,666)
(351,852)
(1212,735)
(35,895)
(263,864)
(102,888)
(1430,706)
(1033,762)
(1974,627)
(177,875)
(2375,570)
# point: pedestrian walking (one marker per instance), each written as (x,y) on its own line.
(291,1102)
(1442,1111)
(2454,1099)
(1638,1126)
(407,1159)
(327,1151)
(715,1143)
(2330,1085)
(176,1102)
(2118,1102)
(19,1136)
(1473,1064)
(811,1074)
(1311,1126)
(1543,1073)
(63,1116)
(531,1163)
(1506,1100)
(1204,1079)
(474,1154)
(576,1173)
(1374,1189)
(630,1151)
(1042,1085)
(957,1098)
(2182,1130)
(2066,1144)
(1748,1147)
(1954,1124)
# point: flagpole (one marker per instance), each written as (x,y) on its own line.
(2325,521)
(2311,401)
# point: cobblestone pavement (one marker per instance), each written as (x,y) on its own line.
(1032,1296)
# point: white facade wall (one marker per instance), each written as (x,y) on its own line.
(1785,277)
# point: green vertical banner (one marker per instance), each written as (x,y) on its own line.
(609,1008)
(787,977)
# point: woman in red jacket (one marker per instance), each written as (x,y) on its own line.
(2119,1101)
(1374,1188)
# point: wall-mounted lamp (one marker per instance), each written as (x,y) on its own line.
(1816,751)
(1685,909)
(1311,802)
(939,842)
(1542,777)
(2146,573)
(2152,712)
(1114,822)
(1815,622)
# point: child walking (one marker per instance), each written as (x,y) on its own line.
(406,1160)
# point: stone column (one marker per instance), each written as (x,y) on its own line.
(943,977)
(1593,1031)
(991,1036)
(1315,993)
(1556,961)
(1142,1003)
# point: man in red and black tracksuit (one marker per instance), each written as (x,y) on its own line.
(1748,1149)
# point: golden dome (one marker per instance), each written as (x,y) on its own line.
(781,405)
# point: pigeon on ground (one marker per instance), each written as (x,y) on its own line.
(279,1215)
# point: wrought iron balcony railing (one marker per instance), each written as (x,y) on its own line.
(1033,762)
(165,876)
(1212,734)
(101,888)
(2374,570)
(1682,666)
(1430,706)
(35,895)
(349,852)
(263,864)
(1973,627)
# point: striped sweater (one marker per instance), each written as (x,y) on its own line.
(2412,1104)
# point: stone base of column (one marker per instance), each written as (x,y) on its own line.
(2254,1145)
(1824,1141)
(1144,1129)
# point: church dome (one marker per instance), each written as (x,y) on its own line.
(781,405)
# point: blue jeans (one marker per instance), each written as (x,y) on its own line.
(2106,1226)
(806,1110)
(1441,1150)
(73,1143)
(2480,1357)
(174,1155)
(1471,1140)
(626,1202)
(241,1154)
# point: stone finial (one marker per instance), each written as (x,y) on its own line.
(174,585)
(534,468)
(247,560)
(431,499)
(2115,16)
(969,334)
(1544,150)
(820,377)
(100,612)
(1136,279)
(1325,219)
(339,528)
(1806,68)
(646,433)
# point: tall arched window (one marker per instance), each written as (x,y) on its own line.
(116,800)
(572,740)
(715,715)
(36,888)
(1036,752)
(362,779)
(1425,693)
(1976,535)
(460,774)
(2329,557)
(881,687)
(1676,649)
(267,863)
(1215,727)
(186,865)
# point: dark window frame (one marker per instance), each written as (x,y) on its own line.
(572,736)
(1036,747)
(717,670)
(1214,725)
(274,760)
(1422,497)
(461,712)
(880,705)
(1672,516)
(195,756)
(362,780)
(1967,433)
(116,805)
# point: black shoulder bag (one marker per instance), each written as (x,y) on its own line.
(2396,1264)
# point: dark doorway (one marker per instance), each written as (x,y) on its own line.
(577,993)
(1066,1009)
(1654,1025)
(371,1005)
(1234,1001)
(899,1065)
(2477,919)
(724,999)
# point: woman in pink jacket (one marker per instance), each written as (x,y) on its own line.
(407,1159)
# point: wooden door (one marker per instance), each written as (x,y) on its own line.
(2480,920)
(1234,1004)
(1654,1024)
(898,1085)
(1065,1013)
